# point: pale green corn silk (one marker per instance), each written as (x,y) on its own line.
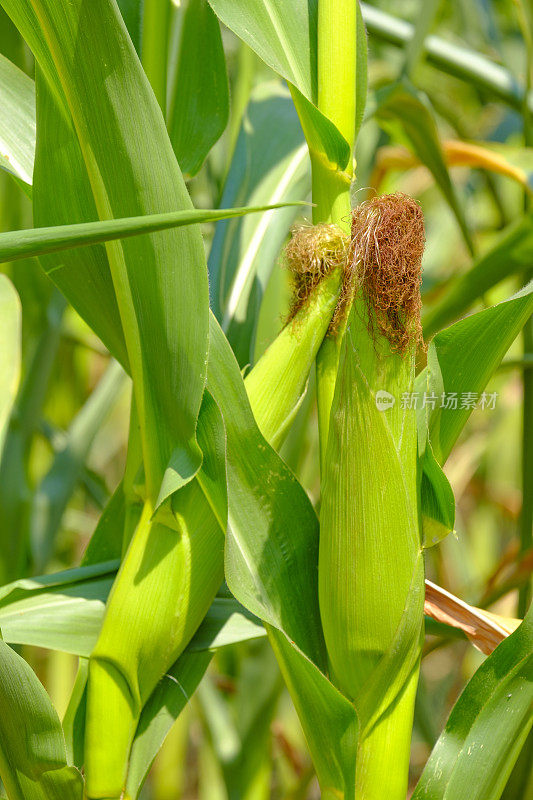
(370,567)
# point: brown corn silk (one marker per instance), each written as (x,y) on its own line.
(385,262)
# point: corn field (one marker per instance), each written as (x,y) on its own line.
(266,400)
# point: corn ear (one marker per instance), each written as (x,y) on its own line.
(371,582)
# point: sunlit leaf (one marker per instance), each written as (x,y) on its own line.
(10,333)
(17,122)
(487,727)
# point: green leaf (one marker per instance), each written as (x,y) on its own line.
(17,122)
(462,359)
(64,611)
(406,114)
(145,275)
(82,274)
(44,240)
(270,164)
(512,253)
(487,727)
(437,501)
(199,107)
(33,764)
(10,335)
(284,35)
(326,716)
(106,542)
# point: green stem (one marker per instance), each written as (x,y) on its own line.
(383,751)
(337,85)
(337,37)
(383,755)
(156,20)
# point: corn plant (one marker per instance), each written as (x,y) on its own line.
(213,535)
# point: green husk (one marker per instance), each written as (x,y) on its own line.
(315,258)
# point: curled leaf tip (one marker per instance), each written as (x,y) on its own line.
(386,251)
(312,253)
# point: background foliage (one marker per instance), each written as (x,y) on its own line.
(444,73)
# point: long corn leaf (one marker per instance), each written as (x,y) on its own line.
(487,727)
(42,241)
(284,36)
(462,358)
